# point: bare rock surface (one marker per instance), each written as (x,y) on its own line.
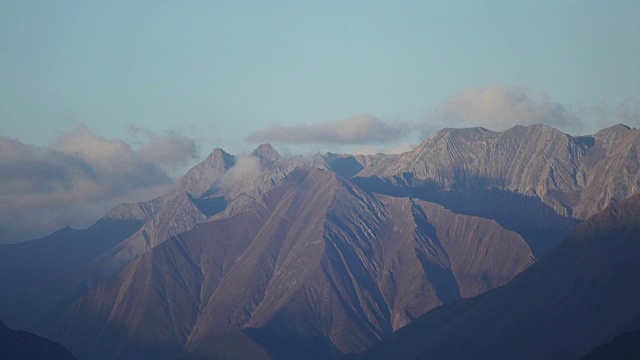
(581,294)
(316,259)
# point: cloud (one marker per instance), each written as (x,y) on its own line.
(604,114)
(245,169)
(628,112)
(361,129)
(78,179)
(171,151)
(395,149)
(501,107)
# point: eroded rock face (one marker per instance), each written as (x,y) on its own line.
(561,170)
(581,294)
(532,179)
(317,259)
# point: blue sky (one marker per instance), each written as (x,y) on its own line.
(169,81)
(227,68)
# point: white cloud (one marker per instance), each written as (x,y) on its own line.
(245,169)
(604,114)
(171,151)
(77,180)
(361,129)
(501,107)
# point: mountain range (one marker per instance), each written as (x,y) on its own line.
(261,256)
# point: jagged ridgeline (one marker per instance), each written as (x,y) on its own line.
(260,256)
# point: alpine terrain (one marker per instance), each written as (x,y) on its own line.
(262,256)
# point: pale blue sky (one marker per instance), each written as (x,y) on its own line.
(223,69)
(104,102)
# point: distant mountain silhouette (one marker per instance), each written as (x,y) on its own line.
(21,345)
(625,346)
(36,274)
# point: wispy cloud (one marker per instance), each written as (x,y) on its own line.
(171,151)
(79,178)
(361,129)
(501,107)
(245,169)
(496,107)
(605,114)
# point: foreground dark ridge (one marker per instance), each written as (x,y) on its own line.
(21,345)
(582,294)
(625,346)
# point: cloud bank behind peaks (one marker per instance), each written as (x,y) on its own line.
(77,180)
(361,129)
(501,107)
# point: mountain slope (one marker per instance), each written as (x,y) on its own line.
(583,293)
(625,346)
(35,274)
(218,187)
(532,179)
(21,345)
(613,169)
(317,261)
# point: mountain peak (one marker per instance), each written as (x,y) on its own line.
(267,152)
(616,127)
(219,153)
(610,137)
(613,133)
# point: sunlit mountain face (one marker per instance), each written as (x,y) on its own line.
(581,295)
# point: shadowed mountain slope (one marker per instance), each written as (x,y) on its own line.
(317,262)
(583,293)
(35,274)
(21,345)
(625,346)
(533,179)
